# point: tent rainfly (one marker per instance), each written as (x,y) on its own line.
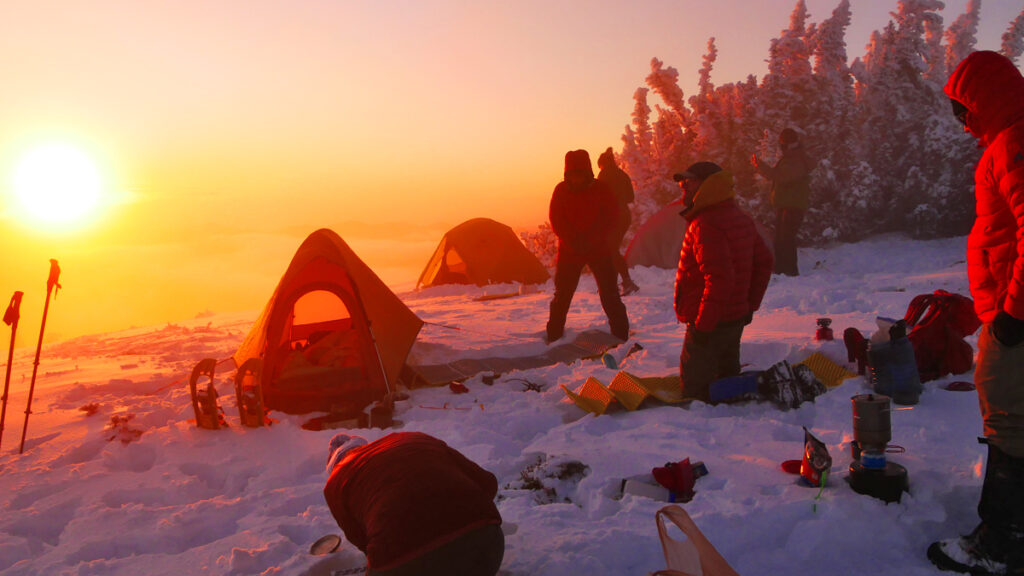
(333,337)
(482,251)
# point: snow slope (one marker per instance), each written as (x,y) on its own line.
(165,498)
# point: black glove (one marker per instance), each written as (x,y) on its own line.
(700,337)
(1008,330)
(748,319)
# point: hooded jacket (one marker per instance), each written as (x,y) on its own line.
(791,179)
(583,217)
(406,494)
(724,263)
(992,90)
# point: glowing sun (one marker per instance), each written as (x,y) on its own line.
(58,184)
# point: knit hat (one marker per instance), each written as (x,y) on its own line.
(700,171)
(788,136)
(606,159)
(339,447)
(578,160)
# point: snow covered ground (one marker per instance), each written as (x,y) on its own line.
(180,500)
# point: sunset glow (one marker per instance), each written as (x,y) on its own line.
(57,184)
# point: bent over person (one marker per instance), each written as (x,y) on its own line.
(724,270)
(415,506)
(987,94)
(583,215)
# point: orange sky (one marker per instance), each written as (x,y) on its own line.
(227,131)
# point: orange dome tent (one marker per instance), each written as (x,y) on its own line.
(333,336)
(482,251)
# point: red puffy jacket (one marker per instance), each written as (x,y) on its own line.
(724,264)
(406,494)
(992,89)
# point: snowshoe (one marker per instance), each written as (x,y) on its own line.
(204,400)
(249,394)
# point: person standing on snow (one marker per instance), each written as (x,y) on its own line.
(414,506)
(724,270)
(583,213)
(791,191)
(987,94)
(621,185)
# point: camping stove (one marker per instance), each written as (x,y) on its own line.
(870,473)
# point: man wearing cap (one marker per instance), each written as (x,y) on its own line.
(414,506)
(791,193)
(583,213)
(987,94)
(724,270)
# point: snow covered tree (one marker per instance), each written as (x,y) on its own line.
(961,36)
(1013,38)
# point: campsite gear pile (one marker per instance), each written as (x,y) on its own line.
(930,336)
(870,472)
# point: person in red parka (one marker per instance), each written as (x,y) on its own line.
(583,216)
(414,506)
(724,270)
(987,94)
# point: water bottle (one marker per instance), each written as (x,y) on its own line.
(893,366)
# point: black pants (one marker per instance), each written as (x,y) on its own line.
(715,356)
(567,278)
(475,553)
(787,227)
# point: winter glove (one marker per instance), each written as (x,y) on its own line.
(1008,330)
(748,319)
(700,337)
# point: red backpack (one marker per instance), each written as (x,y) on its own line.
(938,324)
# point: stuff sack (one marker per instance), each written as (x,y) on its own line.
(938,324)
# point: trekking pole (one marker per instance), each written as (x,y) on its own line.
(11,317)
(51,282)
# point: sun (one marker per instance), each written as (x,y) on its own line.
(57,183)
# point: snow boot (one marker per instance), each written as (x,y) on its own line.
(996,546)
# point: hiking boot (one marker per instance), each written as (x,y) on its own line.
(974,554)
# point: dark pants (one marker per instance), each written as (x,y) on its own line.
(567,278)
(787,227)
(475,553)
(716,355)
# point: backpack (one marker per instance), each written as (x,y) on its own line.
(938,324)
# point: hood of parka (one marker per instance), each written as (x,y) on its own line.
(992,89)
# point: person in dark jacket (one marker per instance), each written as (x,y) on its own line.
(621,185)
(414,506)
(724,270)
(791,191)
(987,94)
(583,214)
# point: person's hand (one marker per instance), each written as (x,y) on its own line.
(700,337)
(1008,330)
